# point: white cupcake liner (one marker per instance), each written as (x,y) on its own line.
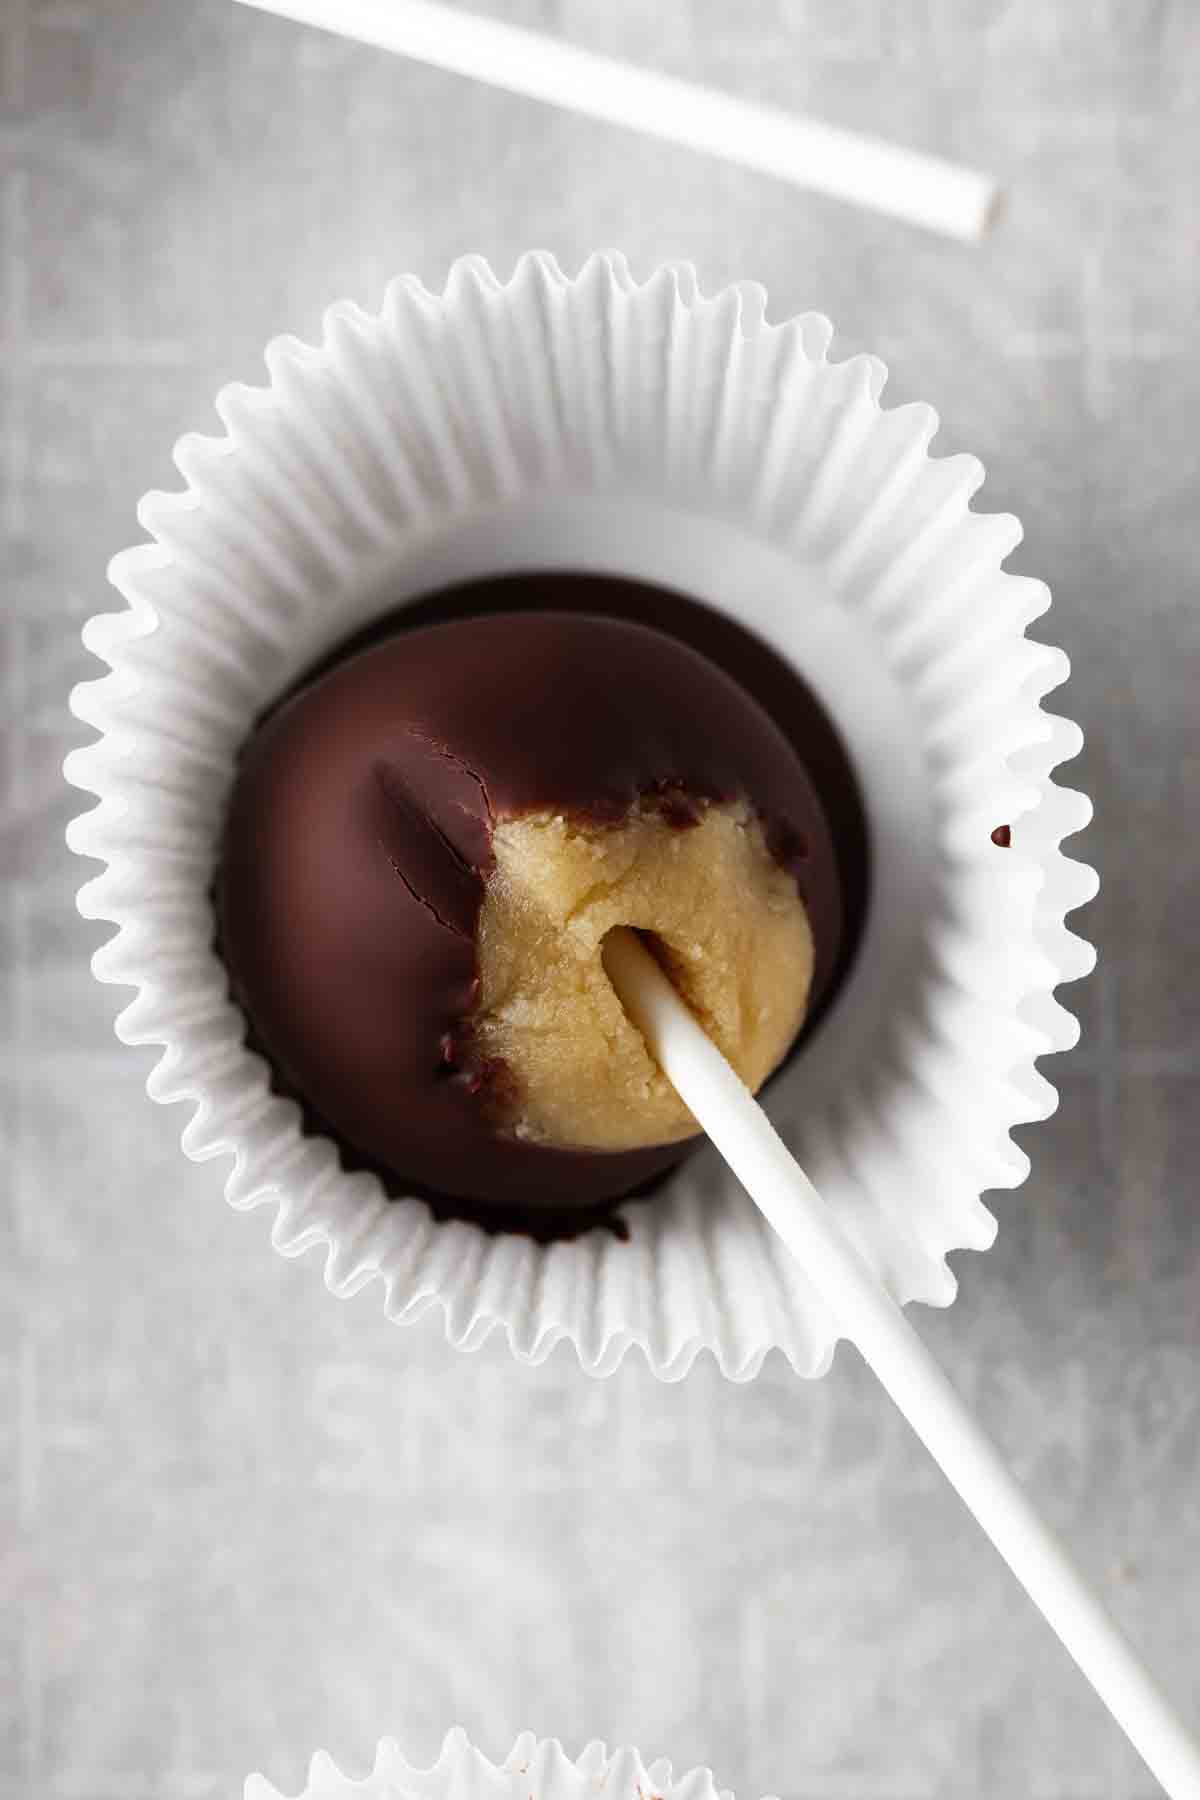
(533,1770)
(649,430)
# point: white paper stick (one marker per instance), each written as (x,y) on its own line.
(925,190)
(758,1157)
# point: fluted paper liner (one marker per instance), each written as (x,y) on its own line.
(646,429)
(532,1770)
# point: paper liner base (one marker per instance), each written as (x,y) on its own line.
(598,423)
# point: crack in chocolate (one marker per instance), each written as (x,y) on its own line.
(475,776)
(421,900)
(451,849)
(439,874)
(450,756)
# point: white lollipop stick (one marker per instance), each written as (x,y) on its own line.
(925,190)
(867,1314)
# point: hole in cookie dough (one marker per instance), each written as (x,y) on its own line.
(671,962)
(720,914)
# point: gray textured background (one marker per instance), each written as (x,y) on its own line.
(238,1518)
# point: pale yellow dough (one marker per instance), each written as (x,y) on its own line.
(729,924)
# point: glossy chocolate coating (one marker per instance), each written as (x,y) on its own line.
(358,842)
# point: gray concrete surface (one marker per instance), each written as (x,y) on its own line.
(238,1518)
